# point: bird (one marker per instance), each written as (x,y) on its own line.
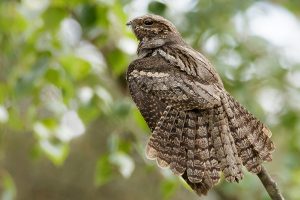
(198,130)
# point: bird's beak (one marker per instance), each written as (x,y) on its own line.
(129,23)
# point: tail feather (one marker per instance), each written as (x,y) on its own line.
(156,147)
(199,144)
(203,168)
(195,159)
(251,137)
(165,144)
(213,163)
(182,142)
(200,187)
(178,159)
(228,158)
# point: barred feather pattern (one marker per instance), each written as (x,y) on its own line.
(199,130)
(252,138)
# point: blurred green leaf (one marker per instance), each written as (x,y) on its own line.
(168,188)
(52,18)
(157,7)
(76,67)
(139,119)
(4,91)
(69,3)
(53,76)
(87,15)
(88,113)
(28,82)
(102,19)
(15,121)
(124,163)
(7,187)
(103,173)
(121,108)
(57,152)
(117,65)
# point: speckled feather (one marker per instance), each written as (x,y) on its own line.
(198,129)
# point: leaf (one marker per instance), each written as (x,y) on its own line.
(140,120)
(104,171)
(53,76)
(15,120)
(76,67)
(56,152)
(124,162)
(168,188)
(102,19)
(29,81)
(66,4)
(88,113)
(121,108)
(4,92)
(157,7)
(52,17)
(7,187)
(87,15)
(117,65)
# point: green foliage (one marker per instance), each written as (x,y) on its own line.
(104,171)
(168,188)
(7,187)
(157,7)
(66,116)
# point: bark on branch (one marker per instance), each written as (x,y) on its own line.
(270,184)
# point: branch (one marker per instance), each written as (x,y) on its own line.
(270,184)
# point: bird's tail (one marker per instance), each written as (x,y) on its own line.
(251,136)
(199,144)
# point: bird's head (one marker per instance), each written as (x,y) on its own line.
(153,27)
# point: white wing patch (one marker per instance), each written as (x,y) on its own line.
(136,73)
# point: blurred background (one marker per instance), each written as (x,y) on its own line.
(68,127)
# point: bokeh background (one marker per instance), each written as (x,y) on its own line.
(68,127)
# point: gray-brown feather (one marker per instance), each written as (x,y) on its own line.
(198,129)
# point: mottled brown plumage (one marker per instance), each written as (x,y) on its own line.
(198,129)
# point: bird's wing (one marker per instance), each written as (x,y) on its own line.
(191,62)
(149,105)
(154,75)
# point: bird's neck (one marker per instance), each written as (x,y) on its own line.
(146,45)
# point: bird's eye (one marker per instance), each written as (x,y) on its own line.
(148,22)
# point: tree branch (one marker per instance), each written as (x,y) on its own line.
(270,184)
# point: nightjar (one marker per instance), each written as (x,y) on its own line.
(198,129)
